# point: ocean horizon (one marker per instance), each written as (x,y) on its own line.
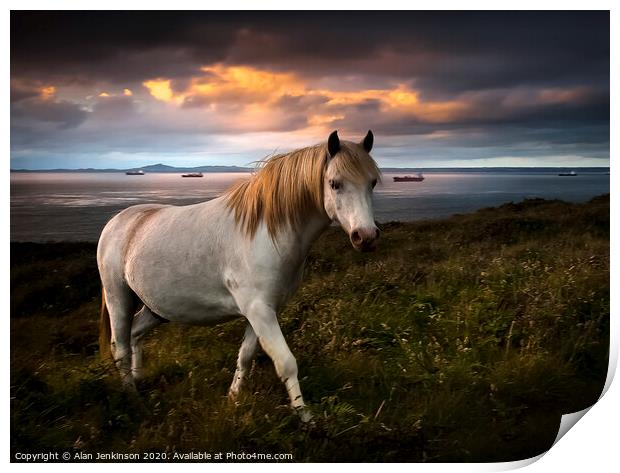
(163,168)
(74,206)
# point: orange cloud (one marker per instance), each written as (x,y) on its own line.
(258,91)
(401,100)
(323,119)
(400,96)
(220,83)
(246,83)
(47,93)
(161,90)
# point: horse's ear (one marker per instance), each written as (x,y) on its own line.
(333,144)
(368,141)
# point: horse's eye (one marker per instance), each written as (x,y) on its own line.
(334,184)
(373,183)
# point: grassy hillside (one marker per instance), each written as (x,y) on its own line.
(462,339)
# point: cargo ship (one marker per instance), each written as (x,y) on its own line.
(418,178)
(138,172)
(192,174)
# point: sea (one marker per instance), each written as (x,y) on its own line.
(75,206)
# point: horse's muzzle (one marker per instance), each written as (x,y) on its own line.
(365,239)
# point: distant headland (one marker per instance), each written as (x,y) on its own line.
(155,168)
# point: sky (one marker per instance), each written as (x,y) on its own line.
(438,89)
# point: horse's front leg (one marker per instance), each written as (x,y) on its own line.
(244,361)
(265,324)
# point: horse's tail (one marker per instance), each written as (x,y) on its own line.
(105,330)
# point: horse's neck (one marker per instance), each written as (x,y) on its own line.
(313,228)
(304,236)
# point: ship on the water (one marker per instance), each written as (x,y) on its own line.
(418,178)
(192,174)
(572,173)
(135,172)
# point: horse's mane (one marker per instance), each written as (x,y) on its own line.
(288,187)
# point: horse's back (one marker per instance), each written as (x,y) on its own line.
(123,220)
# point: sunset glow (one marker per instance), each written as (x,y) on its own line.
(160,89)
(258,93)
(232,91)
(47,93)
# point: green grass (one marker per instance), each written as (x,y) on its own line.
(462,339)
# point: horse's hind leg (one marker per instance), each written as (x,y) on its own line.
(143,322)
(244,361)
(121,303)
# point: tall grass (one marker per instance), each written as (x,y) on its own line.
(462,339)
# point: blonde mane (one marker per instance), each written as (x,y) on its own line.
(288,187)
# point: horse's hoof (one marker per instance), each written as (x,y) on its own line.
(233,397)
(138,376)
(129,386)
(305,415)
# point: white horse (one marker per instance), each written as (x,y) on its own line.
(240,255)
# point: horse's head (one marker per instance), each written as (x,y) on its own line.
(350,177)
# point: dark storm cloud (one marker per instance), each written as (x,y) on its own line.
(86,45)
(61,114)
(112,107)
(445,50)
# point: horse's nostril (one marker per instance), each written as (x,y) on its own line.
(355,237)
(377,233)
